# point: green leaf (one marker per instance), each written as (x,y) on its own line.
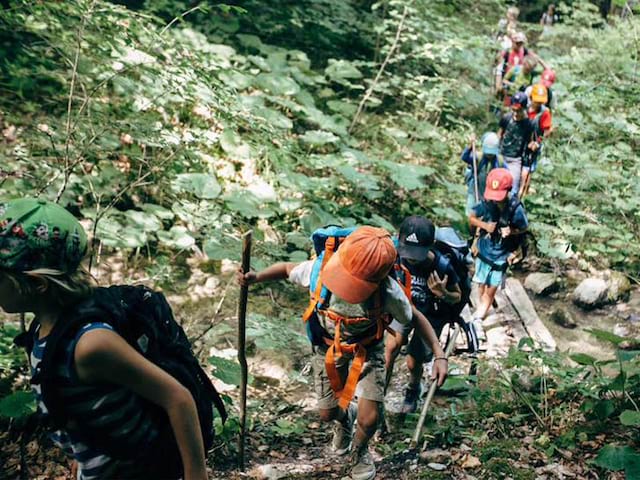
(232,143)
(343,108)
(614,457)
(298,256)
(18,404)
(223,248)
(177,237)
(226,370)
(603,409)
(147,222)
(605,336)
(160,212)
(318,137)
(407,176)
(630,418)
(341,70)
(202,185)
(247,204)
(583,359)
(627,355)
(273,118)
(277,84)
(632,466)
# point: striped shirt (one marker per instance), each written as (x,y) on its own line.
(126,414)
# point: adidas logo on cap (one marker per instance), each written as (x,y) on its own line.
(413,238)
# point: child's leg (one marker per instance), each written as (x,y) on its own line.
(415,369)
(368,414)
(392,346)
(486,300)
(327,404)
(370,393)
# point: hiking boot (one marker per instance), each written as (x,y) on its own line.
(343,431)
(363,467)
(411,397)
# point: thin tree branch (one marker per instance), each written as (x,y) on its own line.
(392,50)
(74,73)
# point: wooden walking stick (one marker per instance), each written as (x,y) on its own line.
(242,355)
(474,157)
(432,390)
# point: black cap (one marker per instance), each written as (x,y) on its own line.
(416,236)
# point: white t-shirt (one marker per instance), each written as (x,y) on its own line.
(394,302)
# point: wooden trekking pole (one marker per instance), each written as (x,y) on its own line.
(242,355)
(432,389)
(474,157)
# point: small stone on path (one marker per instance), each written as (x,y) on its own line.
(437,466)
(563,318)
(435,455)
(619,287)
(591,293)
(541,283)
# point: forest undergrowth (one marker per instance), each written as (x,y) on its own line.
(171,129)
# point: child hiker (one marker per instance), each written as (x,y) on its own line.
(502,221)
(351,294)
(435,292)
(540,116)
(516,133)
(120,415)
(488,161)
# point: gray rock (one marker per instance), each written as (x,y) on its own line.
(541,283)
(619,287)
(437,466)
(591,293)
(621,330)
(563,318)
(435,455)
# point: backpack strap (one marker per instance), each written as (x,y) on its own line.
(26,339)
(403,277)
(44,372)
(331,246)
(344,391)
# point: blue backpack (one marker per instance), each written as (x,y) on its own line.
(326,242)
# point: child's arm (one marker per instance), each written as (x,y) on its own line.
(425,330)
(474,221)
(277,271)
(438,287)
(104,356)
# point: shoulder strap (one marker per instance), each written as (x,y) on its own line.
(331,246)
(514,203)
(25,339)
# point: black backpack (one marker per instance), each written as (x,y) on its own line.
(503,219)
(145,320)
(456,251)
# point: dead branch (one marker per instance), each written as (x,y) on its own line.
(392,50)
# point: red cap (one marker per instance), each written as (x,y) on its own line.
(548,77)
(499,182)
(363,260)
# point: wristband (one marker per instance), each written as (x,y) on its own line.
(441,358)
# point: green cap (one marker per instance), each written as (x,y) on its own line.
(39,234)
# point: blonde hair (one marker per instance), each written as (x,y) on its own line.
(64,288)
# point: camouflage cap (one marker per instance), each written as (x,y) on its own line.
(39,234)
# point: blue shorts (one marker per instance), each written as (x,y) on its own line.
(486,275)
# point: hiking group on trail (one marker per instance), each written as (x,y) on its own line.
(115,374)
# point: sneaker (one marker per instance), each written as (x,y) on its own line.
(411,397)
(343,431)
(363,467)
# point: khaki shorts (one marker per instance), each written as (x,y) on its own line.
(370,386)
